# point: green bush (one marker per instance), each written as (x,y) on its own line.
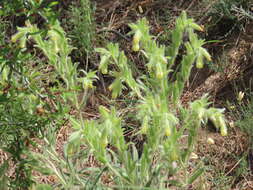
(67,80)
(27,107)
(164,122)
(81,27)
(24,112)
(228,16)
(35,101)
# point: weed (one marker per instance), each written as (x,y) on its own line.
(241,110)
(54,45)
(26,107)
(158,110)
(82,27)
(20,120)
(222,181)
(225,16)
(169,128)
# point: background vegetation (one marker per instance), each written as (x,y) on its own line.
(126,94)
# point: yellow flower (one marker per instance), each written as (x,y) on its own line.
(240,96)
(231,124)
(194,156)
(136,40)
(144,127)
(136,47)
(210,140)
(137,37)
(174,155)
(167,131)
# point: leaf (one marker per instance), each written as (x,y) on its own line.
(136,47)
(53,4)
(116,88)
(102,51)
(75,136)
(18,36)
(3,99)
(195,175)
(3,168)
(199,62)
(205,53)
(104,111)
(43,187)
(196,27)
(104,64)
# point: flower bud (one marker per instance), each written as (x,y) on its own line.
(174,155)
(206,54)
(137,37)
(103,66)
(197,27)
(223,130)
(159,71)
(232,124)
(210,141)
(144,127)
(240,96)
(167,130)
(136,47)
(159,75)
(199,62)
(194,156)
(140,9)
(222,125)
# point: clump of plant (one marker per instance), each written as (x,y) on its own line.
(68,82)
(224,8)
(25,113)
(164,121)
(228,16)
(170,128)
(81,28)
(11,7)
(241,110)
(28,105)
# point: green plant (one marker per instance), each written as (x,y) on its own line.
(54,45)
(243,13)
(228,16)
(222,181)
(21,98)
(11,7)
(241,111)
(224,8)
(28,108)
(229,179)
(81,27)
(158,110)
(164,122)
(27,8)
